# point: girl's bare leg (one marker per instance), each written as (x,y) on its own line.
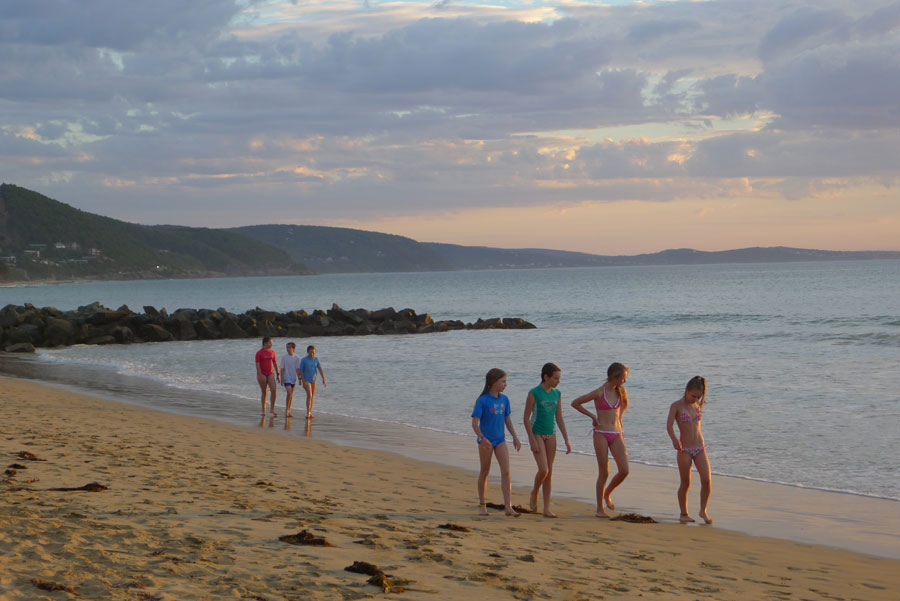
(703,470)
(550,448)
(684,472)
(601,450)
(501,452)
(310,388)
(620,454)
(289,391)
(484,460)
(272,389)
(540,457)
(264,389)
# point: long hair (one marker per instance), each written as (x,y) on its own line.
(617,370)
(697,383)
(548,370)
(491,378)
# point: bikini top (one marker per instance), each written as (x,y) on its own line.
(684,416)
(603,404)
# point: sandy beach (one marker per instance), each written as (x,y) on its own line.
(193,509)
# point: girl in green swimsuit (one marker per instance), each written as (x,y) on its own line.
(542,409)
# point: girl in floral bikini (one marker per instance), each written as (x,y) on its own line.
(688,412)
(610,403)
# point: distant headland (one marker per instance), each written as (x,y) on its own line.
(42,239)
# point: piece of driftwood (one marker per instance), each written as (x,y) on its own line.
(49,585)
(305,537)
(634,518)
(518,508)
(454,527)
(29,456)
(364,567)
(89,487)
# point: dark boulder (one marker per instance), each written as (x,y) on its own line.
(385,314)
(58,332)
(154,333)
(207,330)
(20,334)
(181,327)
(230,329)
(123,335)
(21,347)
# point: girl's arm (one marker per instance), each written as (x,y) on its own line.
(670,426)
(623,403)
(322,371)
(475,426)
(562,427)
(512,430)
(579,402)
(529,407)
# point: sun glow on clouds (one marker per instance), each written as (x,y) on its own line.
(679,123)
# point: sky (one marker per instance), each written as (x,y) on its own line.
(601,127)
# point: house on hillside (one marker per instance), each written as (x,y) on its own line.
(9,259)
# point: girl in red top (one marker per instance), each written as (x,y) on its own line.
(266,372)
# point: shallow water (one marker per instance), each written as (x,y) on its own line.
(801,358)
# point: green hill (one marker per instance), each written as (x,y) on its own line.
(50,239)
(344,250)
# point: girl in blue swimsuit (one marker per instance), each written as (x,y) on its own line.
(490,415)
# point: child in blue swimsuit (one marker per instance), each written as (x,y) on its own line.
(490,415)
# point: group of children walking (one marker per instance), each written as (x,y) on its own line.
(287,372)
(543,412)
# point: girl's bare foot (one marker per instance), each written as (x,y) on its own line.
(609,503)
(600,513)
(482,509)
(548,514)
(512,512)
(532,500)
(706,517)
(685,518)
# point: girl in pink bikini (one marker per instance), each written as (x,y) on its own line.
(687,412)
(610,403)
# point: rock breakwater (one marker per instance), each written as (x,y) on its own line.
(24,327)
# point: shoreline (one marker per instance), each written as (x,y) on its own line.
(194,510)
(859,523)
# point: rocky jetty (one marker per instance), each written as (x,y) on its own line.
(22,328)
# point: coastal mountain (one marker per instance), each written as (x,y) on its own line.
(483,257)
(344,250)
(41,238)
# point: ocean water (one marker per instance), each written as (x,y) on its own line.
(802,359)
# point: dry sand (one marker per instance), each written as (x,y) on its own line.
(194,510)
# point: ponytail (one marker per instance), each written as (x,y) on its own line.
(617,370)
(697,383)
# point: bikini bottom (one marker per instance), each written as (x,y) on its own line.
(609,436)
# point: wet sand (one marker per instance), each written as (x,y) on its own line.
(193,509)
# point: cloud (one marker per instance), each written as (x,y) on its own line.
(411,106)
